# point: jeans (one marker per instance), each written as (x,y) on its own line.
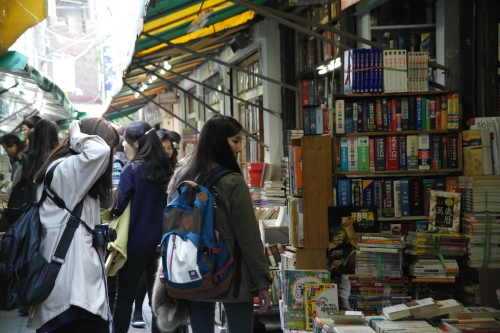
(127,282)
(239,316)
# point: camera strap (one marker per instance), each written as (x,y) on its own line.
(74,220)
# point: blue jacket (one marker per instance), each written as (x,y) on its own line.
(148,203)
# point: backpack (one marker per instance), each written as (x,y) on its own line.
(196,262)
(26,277)
(23,193)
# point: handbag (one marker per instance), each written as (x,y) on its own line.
(26,276)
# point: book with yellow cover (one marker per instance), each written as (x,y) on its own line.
(320,300)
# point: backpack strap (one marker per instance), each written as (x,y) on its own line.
(73,222)
(214,175)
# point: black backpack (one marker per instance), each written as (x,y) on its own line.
(23,193)
(26,277)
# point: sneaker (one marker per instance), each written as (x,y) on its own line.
(138,323)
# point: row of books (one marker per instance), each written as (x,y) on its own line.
(445,244)
(398,114)
(379,255)
(393,197)
(317,86)
(399,152)
(377,70)
(483,230)
(317,121)
(314,51)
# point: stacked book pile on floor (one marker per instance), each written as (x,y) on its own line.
(434,269)
(379,255)
(371,294)
(470,295)
(481,219)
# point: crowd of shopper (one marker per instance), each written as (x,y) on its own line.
(106,167)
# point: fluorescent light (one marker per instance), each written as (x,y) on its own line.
(167,65)
(322,71)
(136,94)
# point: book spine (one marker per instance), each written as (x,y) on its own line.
(371,146)
(356,192)
(352,146)
(423,152)
(402,152)
(366,116)
(319,120)
(378,115)
(404,114)
(450,111)
(432,112)
(428,187)
(312,121)
(387,198)
(436,151)
(380,154)
(363,154)
(416,196)
(368,192)
(371,117)
(425,114)
(405,197)
(360,116)
(411,113)
(344,195)
(397,198)
(452,150)
(339,116)
(444,151)
(394,115)
(392,152)
(399,116)
(378,196)
(444,112)
(418,112)
(305,97)
(348,112)
(438,112)
(440,184)
(385,117)
(344,153)
(327,121)
(307,122)
(456,111)
(355,117)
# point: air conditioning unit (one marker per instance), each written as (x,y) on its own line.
(170,97)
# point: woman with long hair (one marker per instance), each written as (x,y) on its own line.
(78,301)
(45,140)
(219,144)
(143,182)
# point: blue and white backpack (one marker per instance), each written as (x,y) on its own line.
(196,262)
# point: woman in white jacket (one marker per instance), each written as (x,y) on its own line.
(78,301)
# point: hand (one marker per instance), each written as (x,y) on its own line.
(74,128)
(6,183)
(264,300)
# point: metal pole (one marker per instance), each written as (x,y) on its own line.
(209,87)
(201,55)
(205,104)
(159,105)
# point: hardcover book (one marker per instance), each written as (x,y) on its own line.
(363,155)
(392,152)
(416,196)
(412,152)
(344,192)
(339,116)
(424,161)
(380,154)
(444,211)
(352,157)
(387,198)
(356,192)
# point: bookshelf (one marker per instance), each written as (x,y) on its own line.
(251,118)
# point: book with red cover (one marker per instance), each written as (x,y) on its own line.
(392,152)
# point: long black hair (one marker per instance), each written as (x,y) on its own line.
(92,126)
(164,136)
(45,139)
(212,147)
(150,151)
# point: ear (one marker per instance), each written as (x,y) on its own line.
(136,144)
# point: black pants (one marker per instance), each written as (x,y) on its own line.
(83,326)
(127,281)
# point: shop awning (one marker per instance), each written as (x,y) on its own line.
(24,91)
(16,17)
(204,26)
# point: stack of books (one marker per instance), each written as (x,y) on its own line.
(447,244)
(476,325)
(476,226)
(481,219)
(371,294)
(328,323)
(379,255)
(433,268)
(272,194)
(469,294)
(439,290)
